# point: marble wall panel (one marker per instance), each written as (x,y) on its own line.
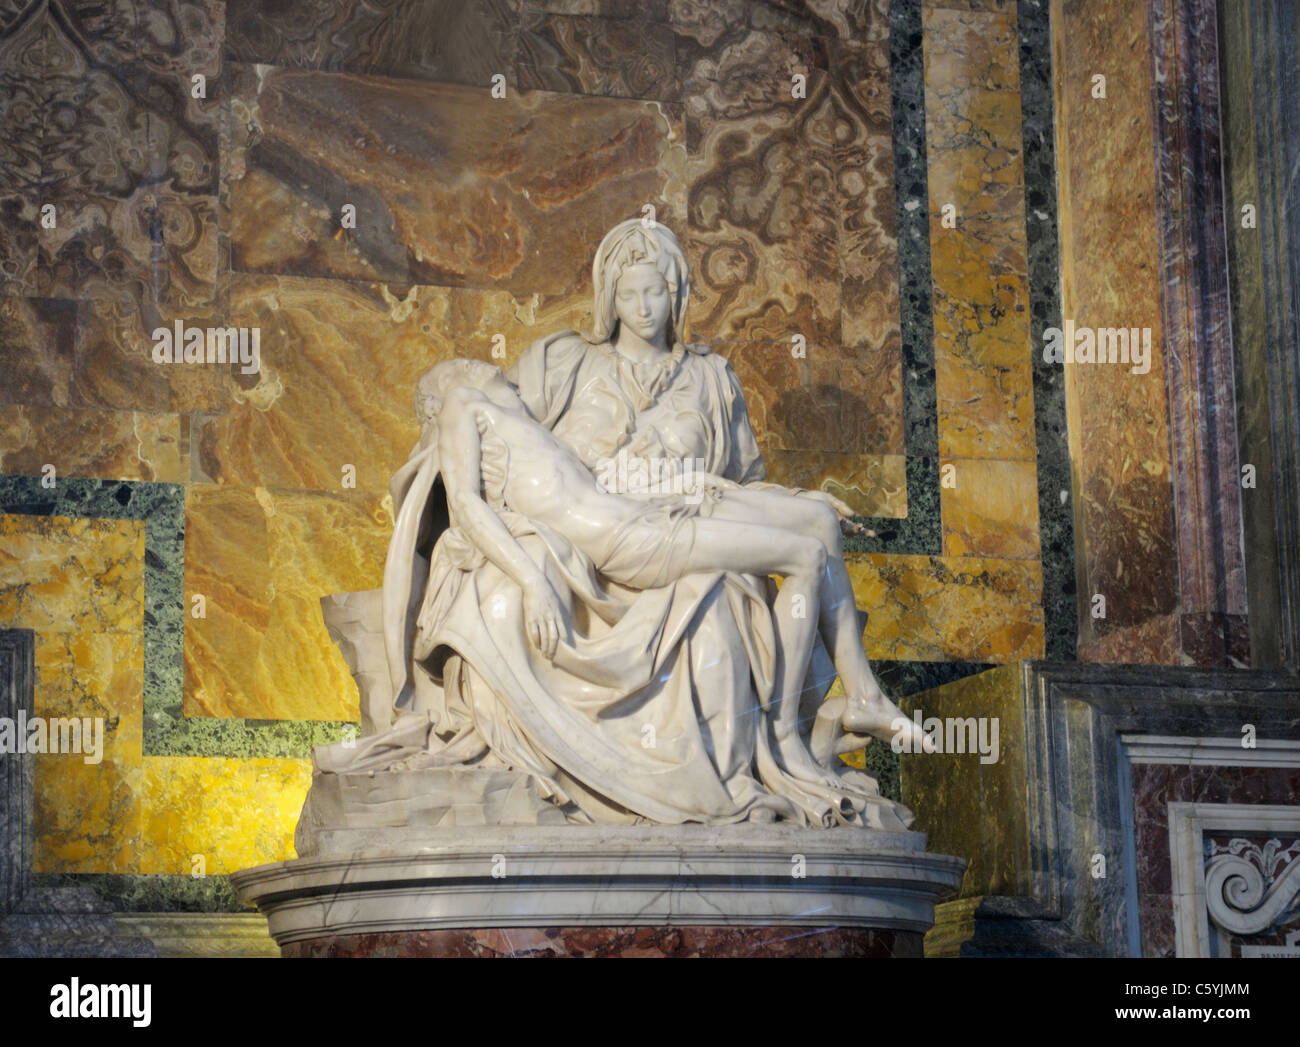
(111,445)
(1155,786)
(939,608)
(113,363)
(79,584)
(793,232)
(71,575)
(1042,232)
(451,186)
(653,10)
(992,510)
(615,57)
(22,122)
(973,5)
(984,374)
(129,153)
(87,816)
(978,810)
(1110,276)
(38,337)
(446,40)
(262,560)
(233,813)
(868,233)
(227,555)
(832,400)
(873,485)
(98,353)
(706,21)
(763,220)
(339,361)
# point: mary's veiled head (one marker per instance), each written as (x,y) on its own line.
(638,242)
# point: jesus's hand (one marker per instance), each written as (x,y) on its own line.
(543,617)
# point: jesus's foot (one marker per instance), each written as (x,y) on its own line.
(875,715)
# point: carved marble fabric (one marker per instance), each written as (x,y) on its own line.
(658,714)
(662,707)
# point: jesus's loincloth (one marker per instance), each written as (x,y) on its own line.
(650,550)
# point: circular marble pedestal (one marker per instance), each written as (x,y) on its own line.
(579,890)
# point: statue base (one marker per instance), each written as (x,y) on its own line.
(536,890)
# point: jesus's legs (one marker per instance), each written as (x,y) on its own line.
(869,711)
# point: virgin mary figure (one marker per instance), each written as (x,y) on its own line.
(658,705)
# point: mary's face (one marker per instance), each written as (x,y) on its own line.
(642,301)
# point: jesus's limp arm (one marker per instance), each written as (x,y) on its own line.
(460,450)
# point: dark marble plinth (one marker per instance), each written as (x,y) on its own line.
(1065,827)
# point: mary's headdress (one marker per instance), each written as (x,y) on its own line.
(639,241)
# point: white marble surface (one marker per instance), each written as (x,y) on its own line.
(579,585)
(551,876)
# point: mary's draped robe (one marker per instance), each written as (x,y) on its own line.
(657,708)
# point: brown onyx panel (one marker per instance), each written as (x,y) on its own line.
(763,214)
(22,117)
(1119,433)
(864,165)
(872,484)
(129,155)
(627,942)
(793,230)
(113,360)
(108,445)
(622,58)
(704,22)
(98,353)
(450,185)
(833,399)
(36,351)
(445,40)
(339,362)
(653,10)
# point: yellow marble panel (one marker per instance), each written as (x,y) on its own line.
(109,445)
(60,574)
(80,585)
(992,510)
(227,556)
(983,369)
(87,815)
(233,812)
(262,560)
(339,366)
(983,366)
(942,608)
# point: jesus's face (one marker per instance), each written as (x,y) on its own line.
(643,303)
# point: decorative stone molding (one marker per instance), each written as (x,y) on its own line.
(1230,891)
(612,876)
(1254,887)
